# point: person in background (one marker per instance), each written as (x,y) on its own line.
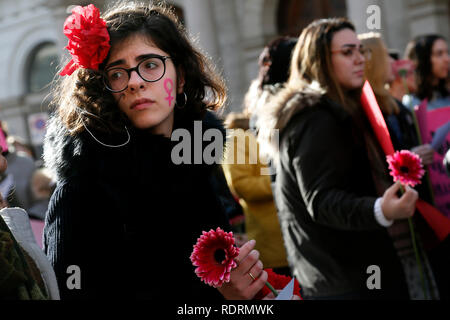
(251,180)
(20,278)
(431,57)
(245,174)
(398,87)
(335,199)
(379,73)
(42,186)
(18,176)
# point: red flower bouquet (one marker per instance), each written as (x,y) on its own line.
(406,167)
(278,281)
(213,256)
(88,39)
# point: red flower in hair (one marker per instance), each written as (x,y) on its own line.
(406,166)
(278,281)
(213,255)
(88,39)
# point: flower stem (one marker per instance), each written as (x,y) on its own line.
(275,292)
(416,251)
(413,237)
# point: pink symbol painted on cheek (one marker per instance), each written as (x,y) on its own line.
(169,90)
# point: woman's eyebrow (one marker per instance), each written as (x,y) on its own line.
(137,59)
(115,63)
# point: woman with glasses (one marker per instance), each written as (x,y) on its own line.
(334,203)
(124,217)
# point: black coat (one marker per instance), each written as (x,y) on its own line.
(128,217)
(325,197)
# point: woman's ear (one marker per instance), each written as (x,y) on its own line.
(180,80)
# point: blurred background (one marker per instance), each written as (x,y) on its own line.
(232,32)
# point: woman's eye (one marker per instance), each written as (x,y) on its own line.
(347,52)
(150,65)
(115,75)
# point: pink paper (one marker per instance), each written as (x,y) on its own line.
(439,179)
(3,143)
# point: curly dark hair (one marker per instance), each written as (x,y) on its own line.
(82,98)
(419,50)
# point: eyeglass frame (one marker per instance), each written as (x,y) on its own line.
(136,68)
(354,48)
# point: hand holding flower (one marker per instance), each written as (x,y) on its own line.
(241,285)
(395,207)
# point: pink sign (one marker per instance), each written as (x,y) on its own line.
(3,143)
(439,179)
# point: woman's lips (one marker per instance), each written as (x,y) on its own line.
(141,104)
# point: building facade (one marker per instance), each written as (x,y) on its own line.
(231,32)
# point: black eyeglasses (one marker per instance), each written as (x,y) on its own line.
(151,69)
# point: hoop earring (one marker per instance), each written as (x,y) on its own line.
(185,101)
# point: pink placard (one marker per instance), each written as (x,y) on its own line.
(3,143)
(439,179)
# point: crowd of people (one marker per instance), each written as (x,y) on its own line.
(318,203)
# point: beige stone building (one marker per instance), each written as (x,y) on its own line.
(232,32)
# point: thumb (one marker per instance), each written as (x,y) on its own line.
(392,190)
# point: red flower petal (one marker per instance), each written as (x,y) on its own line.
(406,167)
(213,255)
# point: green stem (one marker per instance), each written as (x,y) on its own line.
(275,292)
(416,251)
(413,237)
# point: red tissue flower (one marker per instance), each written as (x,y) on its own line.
(213,255)
(278,281)
(406,166)
(88,39)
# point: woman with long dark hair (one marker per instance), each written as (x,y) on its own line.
(334,197)
(430,54)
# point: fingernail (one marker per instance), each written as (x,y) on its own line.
(252,242)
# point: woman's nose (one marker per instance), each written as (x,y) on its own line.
(135,81)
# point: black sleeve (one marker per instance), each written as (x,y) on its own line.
(73,237)
(324,163)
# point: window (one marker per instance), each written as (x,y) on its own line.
(42,67)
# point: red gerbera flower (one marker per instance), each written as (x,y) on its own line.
(278,281)
(406,166)
(213,256)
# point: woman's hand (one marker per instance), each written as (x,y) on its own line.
(242,286)
(425,152)
(395,208)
